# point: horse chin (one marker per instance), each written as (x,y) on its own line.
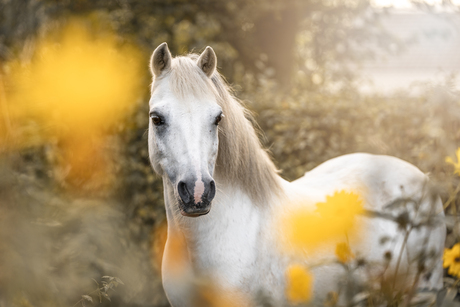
(194,210)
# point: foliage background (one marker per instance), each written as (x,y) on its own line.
(294,63)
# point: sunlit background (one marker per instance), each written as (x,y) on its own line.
(79,203)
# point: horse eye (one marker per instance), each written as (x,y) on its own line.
(218,119)
(156,120)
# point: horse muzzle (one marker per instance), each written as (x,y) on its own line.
(195,197)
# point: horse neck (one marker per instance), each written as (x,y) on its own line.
(230,231)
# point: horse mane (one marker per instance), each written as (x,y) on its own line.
(241,160)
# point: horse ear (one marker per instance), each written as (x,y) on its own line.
(207,61)
(160,60)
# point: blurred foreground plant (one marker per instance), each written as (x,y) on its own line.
(343,252)
(299,284)
(108,283)
(304,229)
(78,85)
(392,281)
(455,164)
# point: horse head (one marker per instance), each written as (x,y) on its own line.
(183,127)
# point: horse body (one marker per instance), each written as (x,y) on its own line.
(381,180)
(234,244)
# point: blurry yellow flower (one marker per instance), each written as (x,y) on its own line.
(177,252)
(299,284)
(451,260)
(305,229)
(79,83)
(456,165)
(343,252)
(158,241)
(341,208)
(208,294)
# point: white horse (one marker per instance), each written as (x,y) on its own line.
(222,192)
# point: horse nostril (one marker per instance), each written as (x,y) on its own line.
(183,192)
(212,190)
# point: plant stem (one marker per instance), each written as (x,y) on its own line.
(400,256)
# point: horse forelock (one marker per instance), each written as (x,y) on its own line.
(241,161)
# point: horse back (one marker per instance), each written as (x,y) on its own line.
(379,179)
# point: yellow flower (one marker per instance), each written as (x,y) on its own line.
(304,229)
(451,260)
(343,252)
(456,165)
(341,208)
(299,283)
(80,83)
(207,293)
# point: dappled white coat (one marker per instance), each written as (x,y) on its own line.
(235,245)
